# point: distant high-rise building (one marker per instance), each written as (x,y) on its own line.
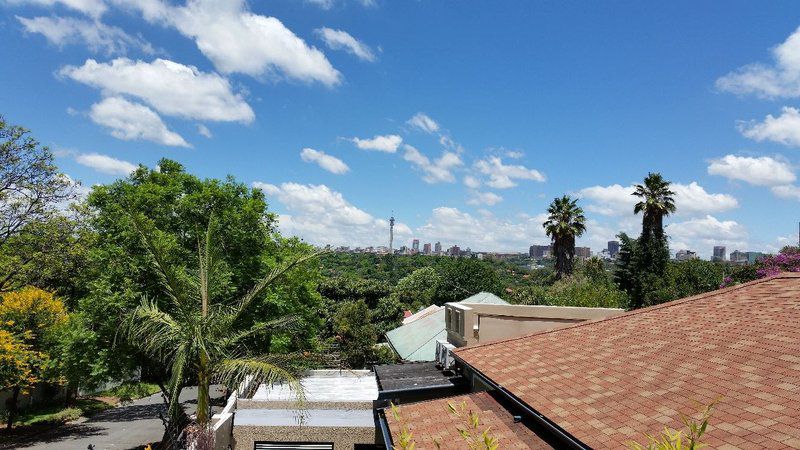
(415,246)
(426,249)
(454,251)
(540,251)
(437,249)
(719,253)
(583,252)
(738,257)
(753,257)
(613,248)
(685,255)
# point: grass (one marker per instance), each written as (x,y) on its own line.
(55,414)
(128,391)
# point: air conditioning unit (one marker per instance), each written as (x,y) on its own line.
(444,355)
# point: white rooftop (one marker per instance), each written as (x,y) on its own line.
(310,418)
(325,386)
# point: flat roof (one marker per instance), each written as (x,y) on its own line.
(339,418)
(325,386)
(411,376)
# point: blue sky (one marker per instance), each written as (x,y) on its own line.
(464,118)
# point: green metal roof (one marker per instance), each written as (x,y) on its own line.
(416,341)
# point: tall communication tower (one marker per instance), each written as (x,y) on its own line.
(391,234)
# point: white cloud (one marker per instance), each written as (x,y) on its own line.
(784,129)
(485,233)
(322,216)
(388,143)
(92,8)
(342,40)
(423,122)
(762,171)
(691,199)
(170,88)
(781,79)
(484,198)
(238,41)
(133,121)
(99,37)
(324,4)
(701,234)
(324,160)
(791,192)
(105,163)
(514,154)
(502,176)
(472,182)
(204,131)
(439,170)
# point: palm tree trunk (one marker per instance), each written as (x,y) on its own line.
(203,397)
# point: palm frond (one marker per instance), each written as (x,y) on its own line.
(154,331)
(232,372)
(167,275)
(285,323)
(176,382)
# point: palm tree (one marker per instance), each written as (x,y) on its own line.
(565,222)
(655,202)
(201,336)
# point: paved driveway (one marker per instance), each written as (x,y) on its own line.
(126,427)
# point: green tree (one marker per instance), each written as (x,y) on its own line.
(201,335)
(655,202)
(565,222)
(31,192)
(355,334)
(419,288)
(464,277)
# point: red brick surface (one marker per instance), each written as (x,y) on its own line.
(610,381)
(431,422)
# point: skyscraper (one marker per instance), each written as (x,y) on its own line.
(583,252)
(613,248)
(437,249)
(415,246)
(426,249)
(539,251)
(719,253)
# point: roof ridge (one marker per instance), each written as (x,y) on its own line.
(669,304)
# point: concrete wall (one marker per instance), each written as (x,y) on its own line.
(245,437)
(479,323)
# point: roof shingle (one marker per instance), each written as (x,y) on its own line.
(610,381)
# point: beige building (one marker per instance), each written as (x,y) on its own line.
(471,324)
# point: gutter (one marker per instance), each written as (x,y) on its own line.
(384,427)
(569,440)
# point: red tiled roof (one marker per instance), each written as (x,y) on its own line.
(608,382)
(431,421)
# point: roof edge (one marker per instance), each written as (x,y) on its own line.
(669,304)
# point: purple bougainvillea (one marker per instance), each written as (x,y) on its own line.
(782,262)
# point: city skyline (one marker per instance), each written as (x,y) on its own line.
(342,111)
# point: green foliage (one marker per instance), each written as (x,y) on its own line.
(473,437)
(355,334)
(462,277)
(655,202)
(642,270)
(419,289)
(575,290)
(350,288)
(387,315)
(687,439)
(565,222)
(130,390)
(56,414)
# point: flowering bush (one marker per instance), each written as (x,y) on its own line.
(782,262)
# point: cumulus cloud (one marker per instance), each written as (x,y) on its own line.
(238,41)
(323,216)
(761,171)
(342,40)
(790,192)
(133,121)
(779,79)
(472,182)
(436,171)
(97,36)
(701,234)
(784,129)
(170,88)
(484,198)
(423,122)
(204,131)
(324,160)
(92,8)
(691,199)
(485,233)
(388,143)
(502,176)
(105,163)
